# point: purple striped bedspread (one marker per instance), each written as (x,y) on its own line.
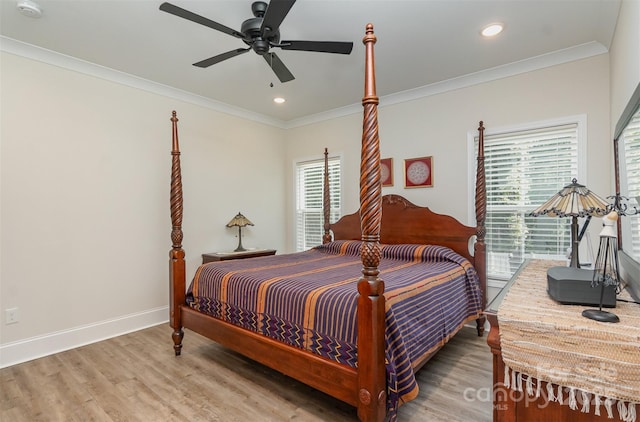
(309,300)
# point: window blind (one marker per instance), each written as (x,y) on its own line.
(523,170)
(630,185)
(309,200)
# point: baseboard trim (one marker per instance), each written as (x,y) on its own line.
(36,347)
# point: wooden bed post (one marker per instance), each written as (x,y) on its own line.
(326,200)
(177,272)
(480,249)
(372,393)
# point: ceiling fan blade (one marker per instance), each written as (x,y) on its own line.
(220,57)
(275,14)
(185,14)
(318,46)
(278,67)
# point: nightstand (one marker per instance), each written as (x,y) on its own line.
(225,256)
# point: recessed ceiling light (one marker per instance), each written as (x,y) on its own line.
(492,30)
(279,100)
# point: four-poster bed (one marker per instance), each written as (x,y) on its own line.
(316,343)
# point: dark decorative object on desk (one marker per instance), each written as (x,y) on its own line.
(574,200)
(621,205)
(606,269)
(239,221)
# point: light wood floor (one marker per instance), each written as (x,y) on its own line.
(136,377)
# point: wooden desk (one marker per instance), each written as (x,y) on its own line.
(225,256)
(513,405)
(504,410)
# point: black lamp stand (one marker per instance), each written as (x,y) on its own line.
(605,275)
(575,243)
(239,248)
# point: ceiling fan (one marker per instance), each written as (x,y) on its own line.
(261,33)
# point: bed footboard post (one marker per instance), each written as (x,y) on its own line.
(480,248)
(372,388)
(177,273)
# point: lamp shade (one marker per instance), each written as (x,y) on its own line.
(608,221)
(574,200)
(606,268)
(239,221)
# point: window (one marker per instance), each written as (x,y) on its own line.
(524,168)
(629,144)
(309,198)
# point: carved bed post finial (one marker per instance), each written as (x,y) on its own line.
(481,214)
(177,272)
(370,183)
(326,200)
(176,186)
(481,190)
(371,304)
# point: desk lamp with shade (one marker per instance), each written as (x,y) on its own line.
(239,221)
(574,200)
(572,285)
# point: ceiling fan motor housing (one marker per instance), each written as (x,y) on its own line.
(251,28)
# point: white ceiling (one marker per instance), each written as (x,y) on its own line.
(422,44)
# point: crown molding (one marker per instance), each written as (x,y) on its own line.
(19,48)
(570,54)
(512,69)
(567,55)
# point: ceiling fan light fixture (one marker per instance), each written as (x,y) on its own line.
(279,100)
(492,30)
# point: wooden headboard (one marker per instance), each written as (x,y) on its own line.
(405,222)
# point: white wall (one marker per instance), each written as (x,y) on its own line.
(438,125)
(625,58)
(85,171)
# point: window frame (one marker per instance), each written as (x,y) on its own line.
(581,132)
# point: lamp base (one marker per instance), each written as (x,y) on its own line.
(599,315)
(239,248)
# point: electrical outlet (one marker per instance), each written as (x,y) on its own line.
(11,316)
